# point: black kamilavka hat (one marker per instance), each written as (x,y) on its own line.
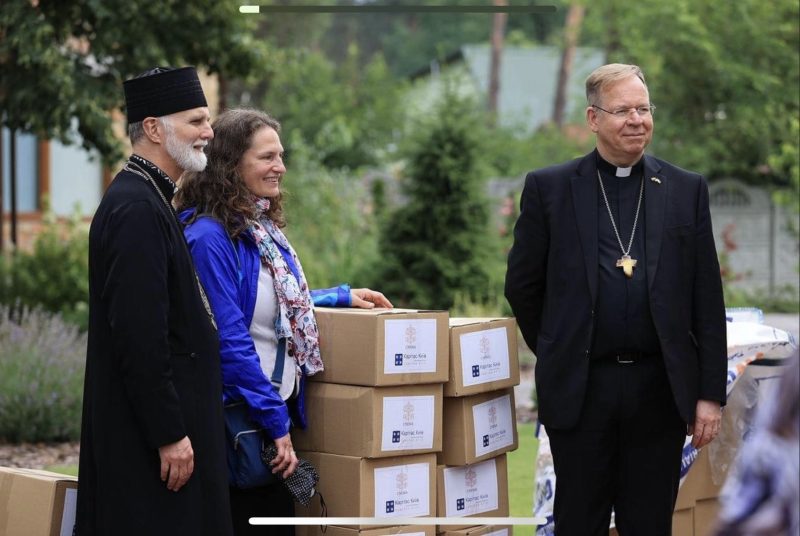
(163,91)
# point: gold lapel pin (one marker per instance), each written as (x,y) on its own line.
(655,180)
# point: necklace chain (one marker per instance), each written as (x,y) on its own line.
(611,215)
(134,168)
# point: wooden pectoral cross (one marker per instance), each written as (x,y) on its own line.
(627,264)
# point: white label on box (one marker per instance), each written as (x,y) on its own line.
(407,423)
(494,427)
(484,356)
(471,489)
(402,491)
(501,532)
(410,346)
(68,516)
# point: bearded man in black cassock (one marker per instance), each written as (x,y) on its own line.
(152,457)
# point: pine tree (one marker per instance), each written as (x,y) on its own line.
(435,246)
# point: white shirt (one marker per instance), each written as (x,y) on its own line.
(262,330)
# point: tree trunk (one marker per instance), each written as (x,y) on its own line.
(222,96)
(613,37)
(572,28)
(498,31)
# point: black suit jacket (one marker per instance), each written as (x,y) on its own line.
(552,281)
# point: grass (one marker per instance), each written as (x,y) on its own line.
(521,475)
(70,469)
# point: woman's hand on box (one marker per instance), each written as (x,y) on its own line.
(367,299)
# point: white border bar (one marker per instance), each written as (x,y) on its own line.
(392,521)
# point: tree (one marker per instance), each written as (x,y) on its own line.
(498,31)
(415,39)
(572,28)
(726,77)
(347,114)
(63,63)
(436,246)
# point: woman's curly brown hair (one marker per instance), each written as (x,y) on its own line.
(219,190)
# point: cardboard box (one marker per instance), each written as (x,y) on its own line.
(482,530)
(479,427)
(333,530)
(683,522)
(698,484)
(705,516)
(36,503)
(402,486)
(376,347)
(483,355)
(480,489)
(371,422)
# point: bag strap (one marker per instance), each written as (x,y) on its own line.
(280,358)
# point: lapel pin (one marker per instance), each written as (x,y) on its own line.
(655,180)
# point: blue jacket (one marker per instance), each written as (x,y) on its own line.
(230,278)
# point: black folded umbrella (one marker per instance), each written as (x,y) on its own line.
(302,483)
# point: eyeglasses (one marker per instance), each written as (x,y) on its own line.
(622,113)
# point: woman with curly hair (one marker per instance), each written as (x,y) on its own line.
(264,310)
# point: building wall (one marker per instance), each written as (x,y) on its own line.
(76,180)
(27,171)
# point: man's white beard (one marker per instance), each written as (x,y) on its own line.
(187,158)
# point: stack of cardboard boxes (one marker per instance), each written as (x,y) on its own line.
(376,419)
(375,416)
(480,423)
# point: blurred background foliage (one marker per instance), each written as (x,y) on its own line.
(725,77)
(379,193)
(54,276)
(41,376)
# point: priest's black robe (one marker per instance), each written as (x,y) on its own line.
(152,375)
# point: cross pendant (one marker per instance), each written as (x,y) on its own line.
(627,264)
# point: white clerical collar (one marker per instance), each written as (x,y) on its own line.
(624,171)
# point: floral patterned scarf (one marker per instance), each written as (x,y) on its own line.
(296,309)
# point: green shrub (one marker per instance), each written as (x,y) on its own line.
(329,222)
(55,275)
(784,299)
(438,245)
(41,376)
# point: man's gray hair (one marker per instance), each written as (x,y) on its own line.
(136,130)
(604,76)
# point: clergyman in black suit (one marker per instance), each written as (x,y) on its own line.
(615,283)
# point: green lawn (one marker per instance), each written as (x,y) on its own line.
(521,474)
(71,470)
